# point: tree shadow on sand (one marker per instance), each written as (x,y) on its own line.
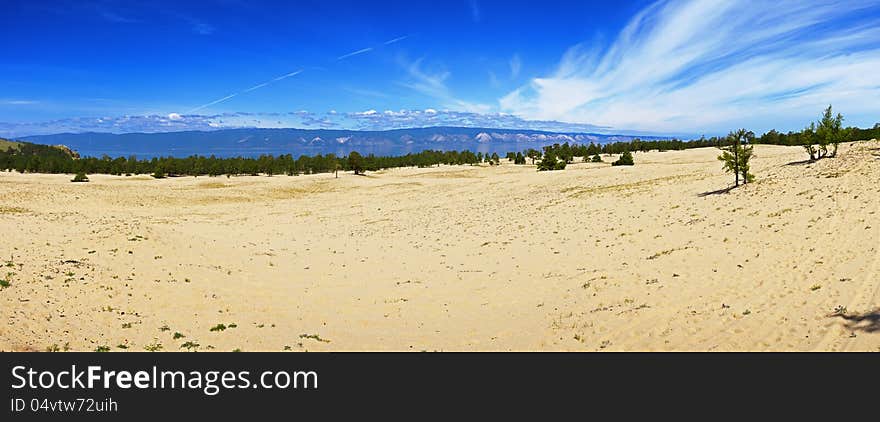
(717,192)
(801,162)
(868,322)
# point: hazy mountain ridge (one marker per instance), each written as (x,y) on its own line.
(255,141)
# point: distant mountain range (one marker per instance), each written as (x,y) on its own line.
(252,142)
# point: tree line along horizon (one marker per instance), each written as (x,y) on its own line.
(820,140)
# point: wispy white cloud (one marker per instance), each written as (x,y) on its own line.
(18,102)
(515,66)
(708,65)
(433,84)
(493,79)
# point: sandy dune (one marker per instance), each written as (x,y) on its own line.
(452,258)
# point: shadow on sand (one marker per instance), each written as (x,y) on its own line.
(802,162)
(868,322)
(717,192)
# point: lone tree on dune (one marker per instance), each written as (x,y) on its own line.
(356,162)
(736,156)
(831,131)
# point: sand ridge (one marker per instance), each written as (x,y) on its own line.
(452,258)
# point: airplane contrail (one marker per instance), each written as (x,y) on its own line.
(255,87)
(365,50)
(389,42)
(288,75)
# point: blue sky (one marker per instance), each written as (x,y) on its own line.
(679,67)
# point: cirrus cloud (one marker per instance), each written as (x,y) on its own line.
(704,65)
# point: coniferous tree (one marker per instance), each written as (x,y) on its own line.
(548,162)
(356,162)
(533,154)
(626,159)
(737,154)
(830,131)
(551,162)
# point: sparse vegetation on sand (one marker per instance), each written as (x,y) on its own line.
(314,337)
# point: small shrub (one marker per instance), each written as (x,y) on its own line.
(314,337)
(189,345)
(596,159)
(153,347)
(80,178)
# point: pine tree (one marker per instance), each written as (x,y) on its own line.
(830,131)
(736,156)
(808,139)
(356,162)
(626,159)
(533,154)
(548,162)
(551,162)
(80,177)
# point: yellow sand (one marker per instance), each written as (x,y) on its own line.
(452,258)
